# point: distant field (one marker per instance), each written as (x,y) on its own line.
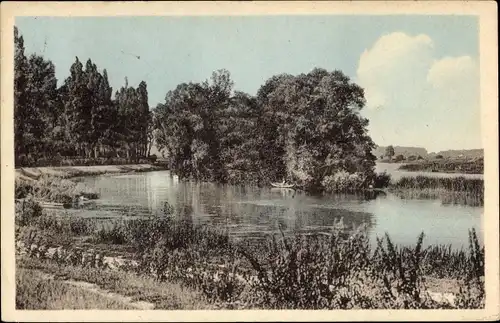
(475,166)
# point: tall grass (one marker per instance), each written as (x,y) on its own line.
(457,190)
(455,184)
(339,271)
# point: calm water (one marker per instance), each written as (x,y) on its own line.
(255,212)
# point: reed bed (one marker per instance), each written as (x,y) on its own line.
(457,190)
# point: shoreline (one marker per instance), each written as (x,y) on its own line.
(34,173)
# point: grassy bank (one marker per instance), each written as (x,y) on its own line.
(35,292)
(338,271)
(475,166)
(457,190)
(42,284)
(78,171)
(55,184)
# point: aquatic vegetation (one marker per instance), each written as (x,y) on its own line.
(457,190)
(455,184)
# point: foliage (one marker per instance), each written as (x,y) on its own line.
(399,158)
(27,211)
(389,151)
(343,182)
(381,180)
(304,127)
(79,118)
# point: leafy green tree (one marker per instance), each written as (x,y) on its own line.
(188,126)
(133,115)
(389,151)
(316,119)
(36,103)
(240,156)
(78,103)
(143,118)
(20,96)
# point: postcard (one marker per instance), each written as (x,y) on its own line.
(260,161)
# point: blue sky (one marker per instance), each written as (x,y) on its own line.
(410,66)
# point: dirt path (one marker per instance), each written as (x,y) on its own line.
(93,288)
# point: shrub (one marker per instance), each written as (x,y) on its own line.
(381,180)
(27,211)
(399,158)
(23,188)
(113,234)
(343,181)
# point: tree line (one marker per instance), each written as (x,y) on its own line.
(303,128)
(80,118)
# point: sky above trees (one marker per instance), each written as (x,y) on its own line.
(420,73)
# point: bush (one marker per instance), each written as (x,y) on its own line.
(342,181)
(27,211)
(381,180)
(113,234)
(399,158)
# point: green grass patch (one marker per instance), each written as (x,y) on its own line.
(164,295)
(35,292)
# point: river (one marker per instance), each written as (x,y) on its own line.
(255,212)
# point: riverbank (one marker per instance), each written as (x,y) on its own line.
(77,171)
(336,271)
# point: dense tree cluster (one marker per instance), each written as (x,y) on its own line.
(79,118)
(306,128)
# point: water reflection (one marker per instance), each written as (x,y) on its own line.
(248,211)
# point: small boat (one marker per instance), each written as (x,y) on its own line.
(282,185)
